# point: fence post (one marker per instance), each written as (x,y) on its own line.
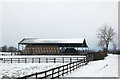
(32,60)
(11,60)
(67,68)
(73,66)
(70,67)
(4,60)
(39,60)
(77,59)
(70,60)
(79,63)
(52,73)
(45,74)
(63,59)
(84,59)
(54,60)
(18,60)
(25,77)
(25,60)
(63,71)
(36,76)
(46,60)
(76,64)
(58,72)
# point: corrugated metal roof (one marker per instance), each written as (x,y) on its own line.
(37,40)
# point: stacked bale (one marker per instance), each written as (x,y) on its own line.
(41,49)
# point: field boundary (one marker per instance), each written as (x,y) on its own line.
(42,60)
(57,71)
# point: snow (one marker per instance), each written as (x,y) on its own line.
(101,68)
(8,53)
(37,40)
(39,56)
(22,69)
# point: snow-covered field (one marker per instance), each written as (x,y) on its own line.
(37,56)
(101,68)
(22,69)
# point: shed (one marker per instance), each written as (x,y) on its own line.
(52,46)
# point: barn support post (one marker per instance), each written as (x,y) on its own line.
(30,49)
(69,48)
(38,51)
(63,49)
(18,48)
(26,50)
(82,48)
(35,50)
(49,49)
(56,48)
(41,49)
(22,47)
(77,49)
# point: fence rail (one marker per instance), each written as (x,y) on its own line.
(42,60)
(56,72)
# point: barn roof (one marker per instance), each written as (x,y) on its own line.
(37,40)
(53,41)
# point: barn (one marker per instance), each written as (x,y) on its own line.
(35,46)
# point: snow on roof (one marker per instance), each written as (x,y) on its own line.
(37,40)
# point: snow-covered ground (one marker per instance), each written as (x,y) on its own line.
(101,68)
(37,56)
(22,69)
(8,53)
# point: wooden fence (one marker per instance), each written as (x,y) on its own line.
(43,60)
(56,72)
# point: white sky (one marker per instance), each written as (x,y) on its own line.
(54,19)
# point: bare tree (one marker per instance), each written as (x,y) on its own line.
(105,35)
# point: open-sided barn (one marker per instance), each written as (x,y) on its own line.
(53,46)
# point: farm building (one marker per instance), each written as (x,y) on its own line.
(52,46)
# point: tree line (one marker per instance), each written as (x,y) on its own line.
(6,48)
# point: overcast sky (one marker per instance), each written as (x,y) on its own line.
(56,20)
